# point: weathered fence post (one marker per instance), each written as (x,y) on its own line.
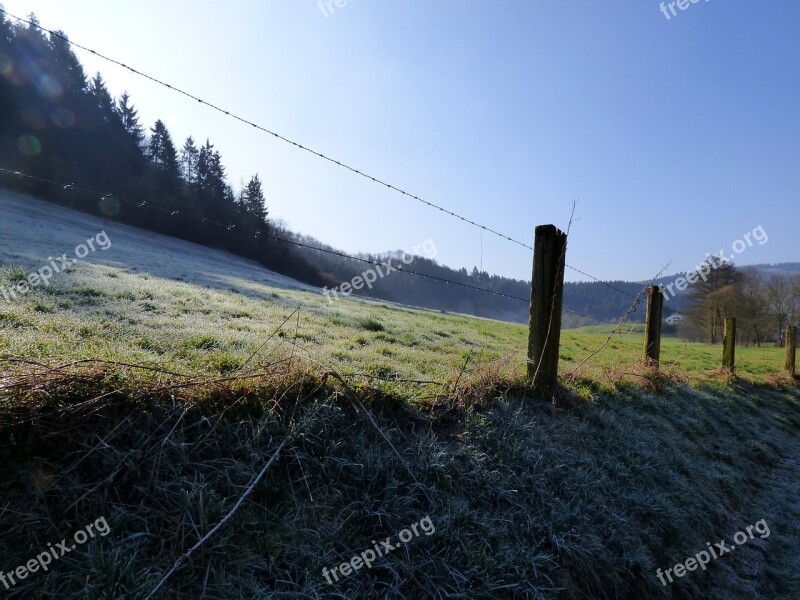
(547,290)
(729,345)
(652,328)
(791,349)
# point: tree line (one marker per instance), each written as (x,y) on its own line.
(762,305)
(60,124)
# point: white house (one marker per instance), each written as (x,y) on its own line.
(677,317)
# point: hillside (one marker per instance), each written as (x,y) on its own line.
(205,394)
(152,384)
(152,298)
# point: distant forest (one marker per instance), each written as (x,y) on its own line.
(60,124)
(764,302)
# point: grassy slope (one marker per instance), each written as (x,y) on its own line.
(529,500)
(154,299)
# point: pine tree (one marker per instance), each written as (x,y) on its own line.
(102,99)
(161,149)
(252,200)
(6,33)
(6,41)
(68,66)
(6,89)
(210,172)
(32,34)
(130,118)
(188,161)
(215,198)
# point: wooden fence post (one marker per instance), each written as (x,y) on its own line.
(652,328)
(729,345)
(791,349)
(547,291)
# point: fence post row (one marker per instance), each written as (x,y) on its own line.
(547,291)
(791,349)
(652,328)
(729,345)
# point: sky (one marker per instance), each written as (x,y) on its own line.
(677,135)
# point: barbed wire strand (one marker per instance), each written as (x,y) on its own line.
(256,234)
(605,283)
(282,138)
(631,310)
(145,204)
(263,129)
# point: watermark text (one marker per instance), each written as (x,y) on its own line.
(704,557)
(367,557)
(44,559)
(58,265)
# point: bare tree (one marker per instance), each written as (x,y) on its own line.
(778,296)
(705,313)
(794,313)
(754,306)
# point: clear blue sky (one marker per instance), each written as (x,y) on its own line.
(677,136)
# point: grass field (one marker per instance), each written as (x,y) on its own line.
(154,300)
(152,382)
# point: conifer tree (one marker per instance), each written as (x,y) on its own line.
(130,118)
(252,200)
(161,149)
(188,161)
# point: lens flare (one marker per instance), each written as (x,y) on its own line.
(6,66)
(49,87)
(62,118)
(29,145)
(8,71)
(109,206)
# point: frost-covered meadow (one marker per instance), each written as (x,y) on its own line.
(153,299)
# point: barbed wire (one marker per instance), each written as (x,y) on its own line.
(264,129)
(634,305)
(605,283)
(256,234)
(291,142)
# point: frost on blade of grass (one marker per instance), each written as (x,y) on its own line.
(527,498)
(12,274)
(13,321)
(370,324)
(203,342)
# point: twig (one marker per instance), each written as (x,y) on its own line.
(185,555)
(377,427)
(387,380)
(271,335)
(464,368)
(677,360)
